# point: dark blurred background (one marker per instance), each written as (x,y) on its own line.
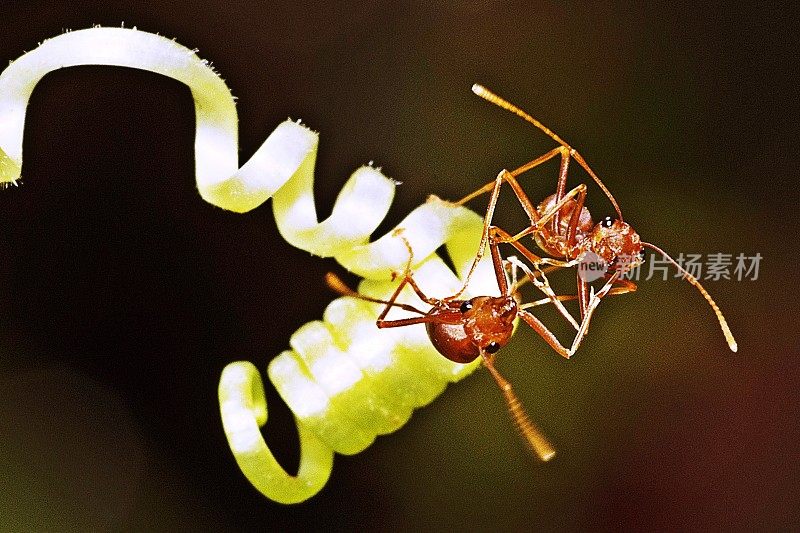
(123,294)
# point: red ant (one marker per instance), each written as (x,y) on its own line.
(563,228)
(464,329)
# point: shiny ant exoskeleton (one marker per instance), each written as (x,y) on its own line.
(563,228)
(464,329)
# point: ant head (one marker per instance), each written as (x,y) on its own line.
(615,240)
(489,321)
(462,329)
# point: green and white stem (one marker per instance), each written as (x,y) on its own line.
(345,381)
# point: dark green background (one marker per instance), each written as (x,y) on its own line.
(123,294)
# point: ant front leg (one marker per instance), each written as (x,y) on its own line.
(339,286)
(487,221)
(381,321)
(407,275)
(615,291)
(408,279)
(544,271)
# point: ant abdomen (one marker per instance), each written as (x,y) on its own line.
(556,242)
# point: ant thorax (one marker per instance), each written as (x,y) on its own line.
(616,242)
(554,239)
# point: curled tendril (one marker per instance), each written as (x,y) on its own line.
(344,381)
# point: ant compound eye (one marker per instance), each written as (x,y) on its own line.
(466,306)
(492,347)
(607,222)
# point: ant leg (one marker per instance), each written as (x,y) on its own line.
(407,279)
(551,339)
(392,300)
(487,220)
(499,235)
(489,96)
(527,166)
(513,263)
(594,301)
(621,286)
(579,193)
(615,291)
(561,193)
(407,275)
(536,227)
(511,179)
(536,440)
(561,185)
(627,286)
(421,295)
(337,285)
(383,324)
(521,283)
(583,295)
(544,286)
(572,227)
(544,333)
(524,200)
(499,270)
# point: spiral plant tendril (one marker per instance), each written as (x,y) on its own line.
(344,385)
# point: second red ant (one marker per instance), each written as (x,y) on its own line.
(563,228)
(464,329)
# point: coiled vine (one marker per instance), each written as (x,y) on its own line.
(344,381)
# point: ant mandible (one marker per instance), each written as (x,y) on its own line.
(562,227)
(464,329)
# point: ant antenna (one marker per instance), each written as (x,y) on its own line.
(538,442)
(337,285)
(489,96)
(691,279)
